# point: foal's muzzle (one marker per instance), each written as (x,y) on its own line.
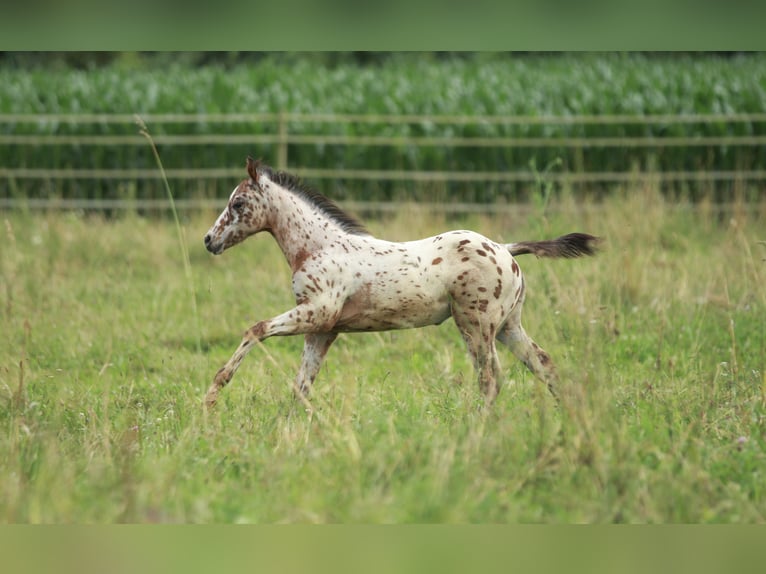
(214,249)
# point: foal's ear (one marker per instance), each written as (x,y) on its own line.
(252,168)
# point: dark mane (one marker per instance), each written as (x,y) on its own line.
(294,184)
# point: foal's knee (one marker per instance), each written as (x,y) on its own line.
(222,378)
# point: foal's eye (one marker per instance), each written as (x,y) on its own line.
(238,204)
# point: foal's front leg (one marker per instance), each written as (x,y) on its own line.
(300,320)
(315,348)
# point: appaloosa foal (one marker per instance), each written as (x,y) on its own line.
(345,280)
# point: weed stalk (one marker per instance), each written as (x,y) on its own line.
(144,131)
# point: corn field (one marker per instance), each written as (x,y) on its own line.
(625,87)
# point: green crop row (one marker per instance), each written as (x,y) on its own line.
(497,85)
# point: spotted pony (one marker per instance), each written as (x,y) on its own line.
(345,280)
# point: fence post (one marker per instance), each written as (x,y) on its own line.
(282,141)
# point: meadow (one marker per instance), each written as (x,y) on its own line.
(107,348)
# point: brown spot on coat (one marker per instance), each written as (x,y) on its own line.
(258,330)
(437,261)
(488,247)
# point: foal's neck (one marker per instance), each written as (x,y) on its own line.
(301,228)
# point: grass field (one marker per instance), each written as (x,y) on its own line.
(660,339)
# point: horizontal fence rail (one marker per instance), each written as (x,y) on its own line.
(192,140)
(357,207)
(386,175)
(282,132)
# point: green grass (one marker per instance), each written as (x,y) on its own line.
(661,342)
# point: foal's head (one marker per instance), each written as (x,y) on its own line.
(244,215)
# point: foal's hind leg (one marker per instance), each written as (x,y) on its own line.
(480,340)
(530,353)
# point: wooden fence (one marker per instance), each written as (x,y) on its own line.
(283,137)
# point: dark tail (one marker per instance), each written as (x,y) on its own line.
(570,245)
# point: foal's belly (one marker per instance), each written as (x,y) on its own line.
(373,308)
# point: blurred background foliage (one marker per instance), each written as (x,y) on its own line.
(527,84)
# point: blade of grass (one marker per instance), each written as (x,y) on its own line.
(144,131)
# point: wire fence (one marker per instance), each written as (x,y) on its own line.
(289,131)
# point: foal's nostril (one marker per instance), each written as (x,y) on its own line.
(207,239)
